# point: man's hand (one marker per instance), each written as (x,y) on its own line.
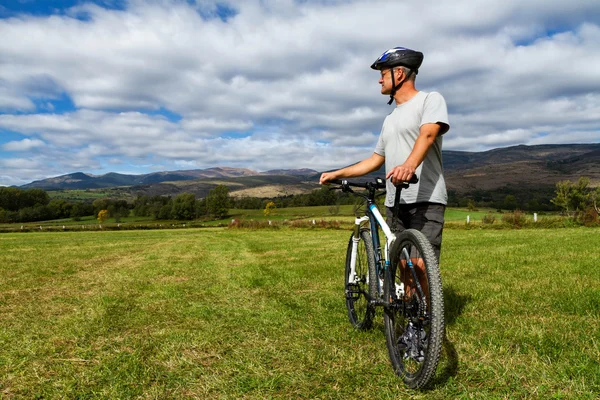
(326,177)
(401,173)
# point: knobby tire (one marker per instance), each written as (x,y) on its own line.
(415,371)
(360,310)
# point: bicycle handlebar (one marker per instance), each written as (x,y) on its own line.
(378,183)
(372,187)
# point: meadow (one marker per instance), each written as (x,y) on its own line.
(343,214)
(220,313)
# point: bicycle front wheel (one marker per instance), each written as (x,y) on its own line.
(414,313)
(361,286)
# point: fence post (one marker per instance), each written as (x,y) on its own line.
(468,219)
(534,217)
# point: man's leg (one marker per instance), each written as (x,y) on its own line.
(427,218)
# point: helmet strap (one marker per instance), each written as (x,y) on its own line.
(395,87)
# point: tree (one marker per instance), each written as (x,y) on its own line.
(269,209)
(102,216)
(158,207)
(184,207)
(322,197)
(217,201)
(164,212)
(9,199)
(118,209)
(141,206)
(60,208)
(14,199)
(573,197)
(471,205)
(510,202)
(33,198)
(100,204)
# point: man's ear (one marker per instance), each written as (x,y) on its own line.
(399,76)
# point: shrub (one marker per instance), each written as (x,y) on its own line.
(334,209)
(489,218)
(253,224)
(471,206)
(589,217)
(317,224)
(516,219)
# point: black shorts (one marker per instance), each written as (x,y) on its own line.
(428,218)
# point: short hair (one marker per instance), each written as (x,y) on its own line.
(408,72)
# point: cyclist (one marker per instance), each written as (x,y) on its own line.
(410,143)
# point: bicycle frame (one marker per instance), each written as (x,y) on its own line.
(376,221)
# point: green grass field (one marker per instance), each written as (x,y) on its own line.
(90,194)
(222,313)
(344,214)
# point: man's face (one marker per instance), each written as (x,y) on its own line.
(385,80)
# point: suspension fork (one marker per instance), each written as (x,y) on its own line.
(384,262)
(355,240)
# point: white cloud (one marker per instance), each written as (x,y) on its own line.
(291,78)
(23,145)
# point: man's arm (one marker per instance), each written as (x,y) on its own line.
(427,135)
(367,165)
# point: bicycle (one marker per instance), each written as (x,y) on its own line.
(403,278)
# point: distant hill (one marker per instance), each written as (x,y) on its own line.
(80,180)
(522,166)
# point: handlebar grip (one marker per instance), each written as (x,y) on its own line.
(414,179)
(399,188)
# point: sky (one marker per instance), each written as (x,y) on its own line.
(136,87)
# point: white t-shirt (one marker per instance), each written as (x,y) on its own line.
(397,139)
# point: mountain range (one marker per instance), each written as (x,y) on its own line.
(523,166)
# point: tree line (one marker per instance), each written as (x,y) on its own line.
(32,205)
(184,206)
(29,205)
(19,205)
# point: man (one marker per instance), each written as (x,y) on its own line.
(410,143)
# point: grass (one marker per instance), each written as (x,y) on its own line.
(345,213)
(455,217)
(90,194)
(240,314)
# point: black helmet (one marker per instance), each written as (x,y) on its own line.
(399,56)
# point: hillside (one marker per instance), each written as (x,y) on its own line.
(522,166)
(80,180)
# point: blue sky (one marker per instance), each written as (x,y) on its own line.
(143,86)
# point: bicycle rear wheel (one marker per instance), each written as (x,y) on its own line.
(414,318)
(363,285)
